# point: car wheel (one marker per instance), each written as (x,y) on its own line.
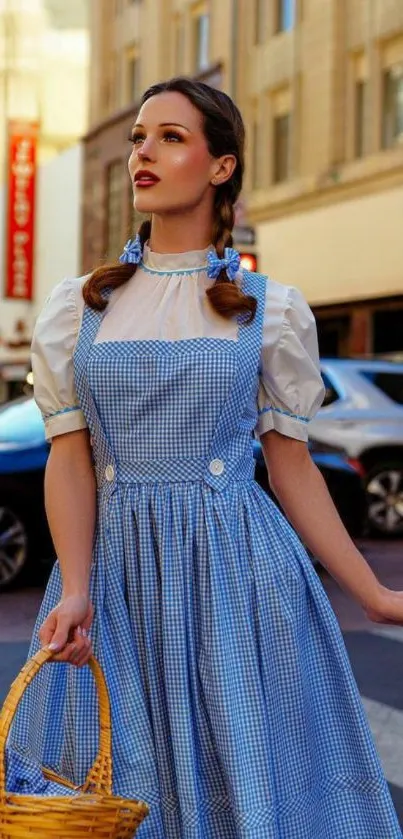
(384,490)
(13,545)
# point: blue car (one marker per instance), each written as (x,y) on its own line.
(26,550)
(25,542)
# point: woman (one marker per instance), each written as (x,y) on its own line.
(235,712)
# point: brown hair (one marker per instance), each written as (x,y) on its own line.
(225,134)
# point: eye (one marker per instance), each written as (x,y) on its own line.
(172,137)
(135,139)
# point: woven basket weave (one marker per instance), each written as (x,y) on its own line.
(93,810)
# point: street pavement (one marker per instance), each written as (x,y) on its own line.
(375,653)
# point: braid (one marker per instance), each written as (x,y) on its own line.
(111,276)
(225,296)
(223,223)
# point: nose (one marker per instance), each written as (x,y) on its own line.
(147,149)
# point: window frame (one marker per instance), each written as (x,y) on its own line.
(132,58)
(392,110)
(360,116)
(259,22)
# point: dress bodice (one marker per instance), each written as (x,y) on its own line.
(166,301)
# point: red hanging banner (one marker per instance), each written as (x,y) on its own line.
(22,146)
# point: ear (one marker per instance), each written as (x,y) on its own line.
(223,169)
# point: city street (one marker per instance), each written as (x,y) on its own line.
(375,652)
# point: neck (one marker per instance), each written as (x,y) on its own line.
(178,233)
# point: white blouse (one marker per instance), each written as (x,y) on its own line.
(166,300)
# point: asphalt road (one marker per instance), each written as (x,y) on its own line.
(375,652)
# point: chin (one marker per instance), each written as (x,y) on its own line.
(144,204)
(149,204)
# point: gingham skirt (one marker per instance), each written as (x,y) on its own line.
(235,712)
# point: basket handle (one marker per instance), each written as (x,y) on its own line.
(99,777)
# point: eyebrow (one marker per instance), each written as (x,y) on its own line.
(164,125)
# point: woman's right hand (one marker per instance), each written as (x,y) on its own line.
(65,630)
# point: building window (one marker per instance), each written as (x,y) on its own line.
(133,80)
(393,106)
(115,182)
(260,21)
(281,147)
(359,111)
(285,15)
(202,41)
(179,57)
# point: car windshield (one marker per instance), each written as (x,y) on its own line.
(389,383)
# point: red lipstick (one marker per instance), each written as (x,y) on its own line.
(145,178)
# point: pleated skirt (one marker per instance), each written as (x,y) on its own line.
(235,712)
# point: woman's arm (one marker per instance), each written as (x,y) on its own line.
(70,493)
(304,497)
(70,500)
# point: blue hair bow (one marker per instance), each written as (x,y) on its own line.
(132,251)
(230,264)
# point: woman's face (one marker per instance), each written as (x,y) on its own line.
(170,167)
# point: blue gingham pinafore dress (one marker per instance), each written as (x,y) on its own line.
(235,712)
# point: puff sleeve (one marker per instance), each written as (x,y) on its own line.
(291,389)
(55,335)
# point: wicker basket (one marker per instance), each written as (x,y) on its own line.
(93,810)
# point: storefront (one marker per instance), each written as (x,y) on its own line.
(362,328)
(346,258)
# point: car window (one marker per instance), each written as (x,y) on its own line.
(389,383)
(331,394)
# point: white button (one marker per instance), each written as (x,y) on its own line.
(109,472)
(216,466)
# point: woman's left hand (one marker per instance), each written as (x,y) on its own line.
(388,607)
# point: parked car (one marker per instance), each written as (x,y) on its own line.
(343,482)
(24,535)
(25,543)
(362,415)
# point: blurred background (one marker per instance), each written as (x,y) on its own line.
(320,86)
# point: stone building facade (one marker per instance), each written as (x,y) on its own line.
(320,85)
